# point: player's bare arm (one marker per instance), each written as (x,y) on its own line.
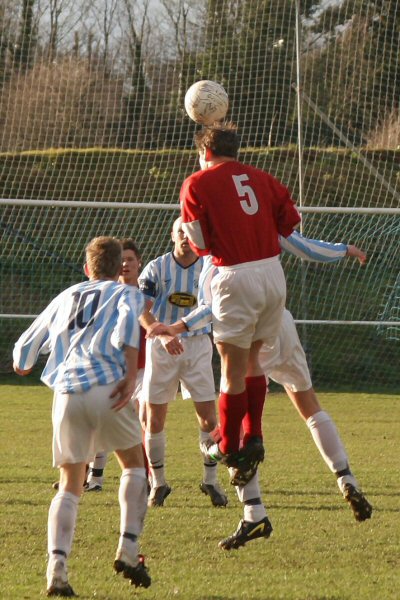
(154,328)
(158,328)
(147,319)
(355,252)
(171,344)
(21,372)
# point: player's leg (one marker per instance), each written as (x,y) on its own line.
(289,368)
(255,522)
(61,527)
(256,387)
(331,449)
(155,445)
(72,450)
(207,419)
(160,385)
(197,383)
(120,432)
(252,452)
(132,498)
(232,402)
(96,473)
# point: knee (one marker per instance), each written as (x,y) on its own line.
(208,424)
(155,421)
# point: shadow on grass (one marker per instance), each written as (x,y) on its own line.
(15,501)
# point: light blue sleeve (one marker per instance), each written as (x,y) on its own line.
(312,250)
(199,317)
(35,340)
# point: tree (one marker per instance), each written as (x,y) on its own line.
(26,44)
(353,75)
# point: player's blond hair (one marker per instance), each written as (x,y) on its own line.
(104,257)
(221,139)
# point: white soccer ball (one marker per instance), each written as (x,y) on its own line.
(206,101)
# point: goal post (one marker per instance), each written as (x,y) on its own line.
(95,141)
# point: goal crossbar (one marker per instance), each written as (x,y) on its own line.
(153,206)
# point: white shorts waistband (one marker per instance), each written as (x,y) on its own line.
(251,264)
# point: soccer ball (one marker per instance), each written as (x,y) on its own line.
(206,101)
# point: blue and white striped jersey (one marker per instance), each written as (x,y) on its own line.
(84,330)
(295,244)
(173,289)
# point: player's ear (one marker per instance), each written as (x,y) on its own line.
(86,270)
(208,155)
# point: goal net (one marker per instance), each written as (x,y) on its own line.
(95,141)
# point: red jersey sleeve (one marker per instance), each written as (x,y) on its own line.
(194,218)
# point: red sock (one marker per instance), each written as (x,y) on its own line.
(232,408)
(256,388)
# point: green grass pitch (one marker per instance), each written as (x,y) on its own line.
(317,550)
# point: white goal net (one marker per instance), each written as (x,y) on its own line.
(94,140)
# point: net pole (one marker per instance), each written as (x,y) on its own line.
(303,267)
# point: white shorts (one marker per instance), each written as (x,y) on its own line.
(248,301)
(84,424)
(192,368)
(286,362)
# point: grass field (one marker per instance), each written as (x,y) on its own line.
(317,551)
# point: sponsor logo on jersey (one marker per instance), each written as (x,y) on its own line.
(182,300)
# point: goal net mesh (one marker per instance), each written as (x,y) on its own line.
(91,110)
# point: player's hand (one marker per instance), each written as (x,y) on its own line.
(22,372)
(355,252)
(158,328)
(122,393)
(172,344)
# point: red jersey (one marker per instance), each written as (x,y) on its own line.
(142,349)
(235,212)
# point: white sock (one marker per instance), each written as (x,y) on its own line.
(254,512)
(155,449)
(97,468)
(100,461)
(327,440)
(251,492)
(342,481)
(132,498)
(61,523)
(210,466)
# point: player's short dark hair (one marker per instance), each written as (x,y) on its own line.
(221,139)
(104,257)
(129,244)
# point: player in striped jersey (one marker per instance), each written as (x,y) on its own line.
(286,364)
(91,333)
(170,283)
(131,262)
